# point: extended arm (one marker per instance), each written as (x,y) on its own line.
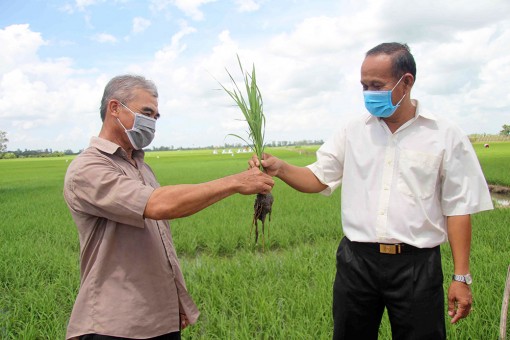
(299,178)
(175,201)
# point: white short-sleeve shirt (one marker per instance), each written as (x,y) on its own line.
(400,187)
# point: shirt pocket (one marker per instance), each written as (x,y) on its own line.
(418,173)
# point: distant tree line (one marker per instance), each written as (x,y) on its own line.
(36,153)
(505,131)
(236,145)
(51,153)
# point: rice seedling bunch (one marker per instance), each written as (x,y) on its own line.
(252,109)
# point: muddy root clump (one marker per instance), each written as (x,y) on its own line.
(262,208)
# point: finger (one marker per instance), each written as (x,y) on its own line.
(451,307)
(461,312)
(267,191)
(267,188)
(268,180)
(455,318)
(184,321)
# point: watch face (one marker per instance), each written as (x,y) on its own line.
(468,278)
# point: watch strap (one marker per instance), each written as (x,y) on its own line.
(462,278)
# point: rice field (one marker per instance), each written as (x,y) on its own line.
(244,291)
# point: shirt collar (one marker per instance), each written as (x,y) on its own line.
(420,112)
(104,145)
(111,148)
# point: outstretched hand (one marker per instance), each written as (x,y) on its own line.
(459,301)
(298,177)
(271,164)
(254,181)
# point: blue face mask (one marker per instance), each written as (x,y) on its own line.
(379,103)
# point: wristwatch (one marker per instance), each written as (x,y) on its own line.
(467,279)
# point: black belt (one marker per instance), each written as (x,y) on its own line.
(388,248)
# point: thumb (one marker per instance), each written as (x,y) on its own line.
(451,306)
(266,156)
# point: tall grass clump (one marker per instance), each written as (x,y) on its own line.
(252,109)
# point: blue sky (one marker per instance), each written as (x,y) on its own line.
(58,55)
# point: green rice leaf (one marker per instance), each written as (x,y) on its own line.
(251,107)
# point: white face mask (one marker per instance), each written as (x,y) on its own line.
(142,132)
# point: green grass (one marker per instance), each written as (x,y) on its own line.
(243,291)
(495,162)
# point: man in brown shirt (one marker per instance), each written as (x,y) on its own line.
(131,283)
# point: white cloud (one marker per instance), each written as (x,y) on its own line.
(67,8)
(247,5)
(140,24)
(159,5)
(307,69)
(19,45)
(192,7)
(39,98)
(169,53)
(83,4)
(104,38)
(309,78)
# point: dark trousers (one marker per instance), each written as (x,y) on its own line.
(169,336)
(409,285)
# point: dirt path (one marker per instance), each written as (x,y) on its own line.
(498,189)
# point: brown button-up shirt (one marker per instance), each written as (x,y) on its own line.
(131,282)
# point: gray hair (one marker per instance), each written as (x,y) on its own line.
(121,88)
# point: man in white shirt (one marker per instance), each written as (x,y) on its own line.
(410,181)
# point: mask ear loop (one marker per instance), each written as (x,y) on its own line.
(400,101)
(129,111)
(121,124)
(134,114)
(398,82)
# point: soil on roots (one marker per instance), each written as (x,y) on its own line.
(262,208)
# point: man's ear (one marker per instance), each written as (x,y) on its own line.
(408,80)
(113,108)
